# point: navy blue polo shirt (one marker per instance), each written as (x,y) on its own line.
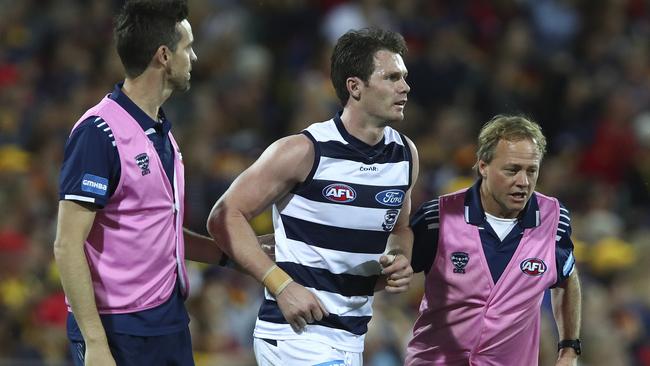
(425,224)
(90,173)
(90,154)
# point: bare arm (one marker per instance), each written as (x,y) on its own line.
(396,262)
(566,300)
(284,164)
(73,225)
(200,248)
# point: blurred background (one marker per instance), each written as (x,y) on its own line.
(581,68)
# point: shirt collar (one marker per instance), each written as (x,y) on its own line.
(475,215)
(360,145)
(138,114)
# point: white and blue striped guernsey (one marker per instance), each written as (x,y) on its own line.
(331,230)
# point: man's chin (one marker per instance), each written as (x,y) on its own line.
(395,119)
(182,88)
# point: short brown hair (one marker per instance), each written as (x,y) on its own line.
(144,25)
(354,56)
(510,128)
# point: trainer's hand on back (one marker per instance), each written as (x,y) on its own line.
(398,272)
(267,243)
(300,307)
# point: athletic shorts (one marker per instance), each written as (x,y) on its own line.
(302,352)
(128,350)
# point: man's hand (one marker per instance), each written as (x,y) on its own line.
(398,272)
(267,243)
(300,307)
(99,355)
(567,357)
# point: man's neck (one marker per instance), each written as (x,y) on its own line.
(359,125)
(147,92)
(490,206)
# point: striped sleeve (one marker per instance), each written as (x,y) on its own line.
(425,224)
(91,165)
(564,258)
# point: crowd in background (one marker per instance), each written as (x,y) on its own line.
(580,68)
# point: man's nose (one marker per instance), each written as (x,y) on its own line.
(522,179)
(406,87)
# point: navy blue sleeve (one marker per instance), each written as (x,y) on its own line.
(425,225)
(564,259)
(91,164)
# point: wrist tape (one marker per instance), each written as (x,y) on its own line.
(276,280)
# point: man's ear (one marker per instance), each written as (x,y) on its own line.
(162,55)
(354,85)
(482,168)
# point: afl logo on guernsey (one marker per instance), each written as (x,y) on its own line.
(339,192)
(390,197)
(533,267)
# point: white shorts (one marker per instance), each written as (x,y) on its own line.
(298,352)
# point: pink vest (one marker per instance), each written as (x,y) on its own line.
(135,247)
(466,319)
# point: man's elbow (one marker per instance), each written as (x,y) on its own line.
(218,219)
(62,248)
(57,248)
(214,220)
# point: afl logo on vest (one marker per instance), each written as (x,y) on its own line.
(533,267)
(340,193)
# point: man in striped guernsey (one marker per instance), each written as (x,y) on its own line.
(341,200)
(489,253)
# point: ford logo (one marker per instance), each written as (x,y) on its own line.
(390,197)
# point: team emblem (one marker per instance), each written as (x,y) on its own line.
(390,197)
(533,267)
(143,162)
(459,260)
(339,192)
(390,218)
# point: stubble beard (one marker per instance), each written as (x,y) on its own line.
(180,85)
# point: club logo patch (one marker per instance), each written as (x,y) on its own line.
(390,197)
(94,184)
(533,267)
(339,192)
(390,218)
(143,162)
(459,260)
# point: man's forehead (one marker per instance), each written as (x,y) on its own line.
(386,59)
(186,29)
(518,150)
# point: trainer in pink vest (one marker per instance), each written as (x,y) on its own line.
(466,319)
(135,247)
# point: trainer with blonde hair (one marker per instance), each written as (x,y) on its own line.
(489,252)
